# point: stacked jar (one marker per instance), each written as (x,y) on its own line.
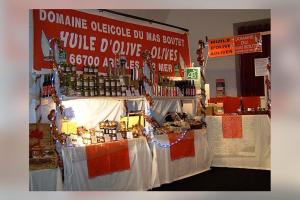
(107,82)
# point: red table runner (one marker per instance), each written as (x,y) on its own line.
(232,126)
(107,158)
(184,148)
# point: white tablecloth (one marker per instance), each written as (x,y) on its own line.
(45,180)
(137,178)
(251,151)
(168,171)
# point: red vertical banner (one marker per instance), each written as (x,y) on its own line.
(95,40)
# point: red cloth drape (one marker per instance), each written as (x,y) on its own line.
(251,102)
(232,126)
(107,158)
(184,148)
(230,104)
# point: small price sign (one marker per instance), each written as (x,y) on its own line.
(192,73)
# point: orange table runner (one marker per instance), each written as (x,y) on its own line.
(184,148)
(107,158)
(232,126)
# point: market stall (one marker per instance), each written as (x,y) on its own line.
(131,118)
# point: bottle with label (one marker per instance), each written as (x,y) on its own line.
(192,88)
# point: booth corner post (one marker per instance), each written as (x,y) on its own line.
(202,63)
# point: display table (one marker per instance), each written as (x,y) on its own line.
(45,180)
(137,178)
(168,171)
(252,150)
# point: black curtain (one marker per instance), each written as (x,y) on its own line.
(250,84)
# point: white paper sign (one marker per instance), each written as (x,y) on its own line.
(129,135)
(260,66)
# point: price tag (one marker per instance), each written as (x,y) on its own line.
(129,135)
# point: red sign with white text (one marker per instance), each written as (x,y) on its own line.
(95,40)
(248,43)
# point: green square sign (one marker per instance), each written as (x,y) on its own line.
(192,73)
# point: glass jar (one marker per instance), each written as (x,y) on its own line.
(107,92)
(78,91)
(86,92)
(96,91)
(101,92)
(114,137)
(101,80)
(95,70)
(92,92)
(85,69)
(113,93)
(73,68)
(68,69)
(85,81)
(91,82)
(91,70)
(119,93)
(107,82)
(113,83)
